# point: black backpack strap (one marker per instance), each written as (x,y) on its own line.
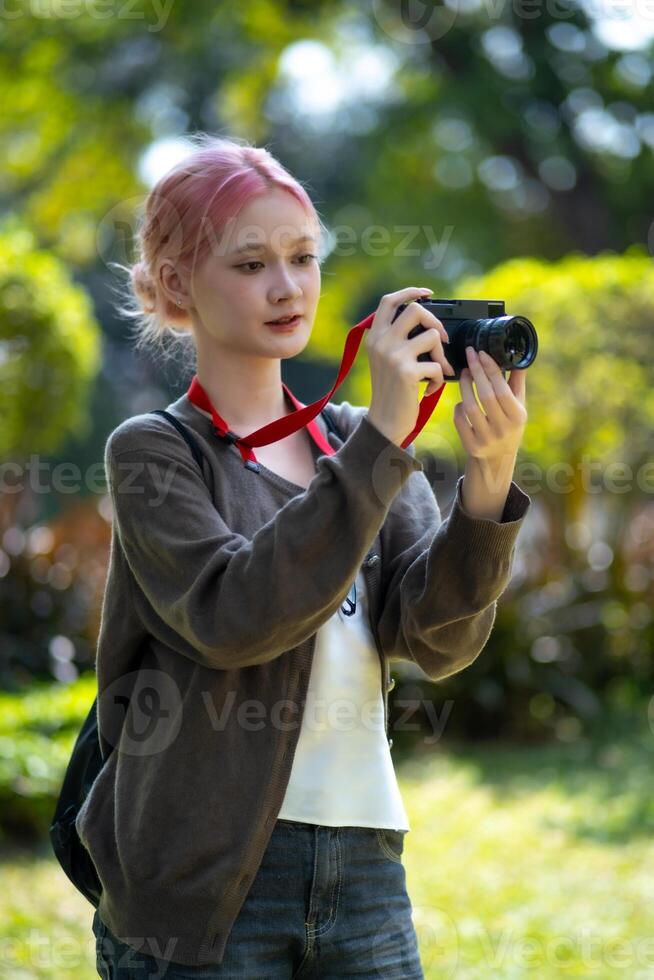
(197,452)
(184,432)
(331,423)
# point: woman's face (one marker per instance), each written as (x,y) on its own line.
(234,293)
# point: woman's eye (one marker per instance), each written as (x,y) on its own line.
(246,265)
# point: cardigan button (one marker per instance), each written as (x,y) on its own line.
(391,684)
(390,743)
(371,560)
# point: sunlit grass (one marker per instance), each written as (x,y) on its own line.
(45,924)
(533,863)
(520,863)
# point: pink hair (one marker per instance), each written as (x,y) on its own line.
(187,209)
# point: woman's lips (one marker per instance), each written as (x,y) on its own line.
(284,327)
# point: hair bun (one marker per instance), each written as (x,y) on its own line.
(143,285)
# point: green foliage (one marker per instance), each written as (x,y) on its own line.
(575,627)
(38,729)
(591,388)
(50,341)
(86,94)
(483,159)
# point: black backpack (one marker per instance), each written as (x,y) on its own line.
(87,758)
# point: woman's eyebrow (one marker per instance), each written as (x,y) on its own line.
(259,246)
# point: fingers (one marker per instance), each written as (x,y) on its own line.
(429,339)
(427,317)
(465,430)
(404,295)
(432,388)
(391,301)
(518,385)
(387,309)
(500,399)
(479,422)
(429,342)
(415,314)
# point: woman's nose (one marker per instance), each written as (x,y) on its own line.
(285,285)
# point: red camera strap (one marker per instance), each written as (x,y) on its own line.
(303,415)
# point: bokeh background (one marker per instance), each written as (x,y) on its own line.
(495,150)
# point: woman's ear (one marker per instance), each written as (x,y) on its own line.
(173,285)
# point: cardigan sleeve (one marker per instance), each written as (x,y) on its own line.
(218,597)
(445,577)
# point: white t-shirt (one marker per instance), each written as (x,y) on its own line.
(343,774)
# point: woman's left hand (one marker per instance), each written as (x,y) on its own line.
(493,431)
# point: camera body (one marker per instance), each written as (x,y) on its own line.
(484,325)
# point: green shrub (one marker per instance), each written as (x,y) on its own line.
(38,729)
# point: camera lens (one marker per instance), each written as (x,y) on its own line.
(512,341)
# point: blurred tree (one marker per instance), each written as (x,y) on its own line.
(591,393)
(496,131)
(51,599)
(575,628)
(50,343)
(437,140)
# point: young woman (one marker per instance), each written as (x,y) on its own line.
(247,821)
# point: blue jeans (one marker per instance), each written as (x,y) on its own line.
(326,902)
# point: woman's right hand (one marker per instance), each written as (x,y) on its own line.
(395,370)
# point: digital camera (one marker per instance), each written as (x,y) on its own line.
(483,325)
